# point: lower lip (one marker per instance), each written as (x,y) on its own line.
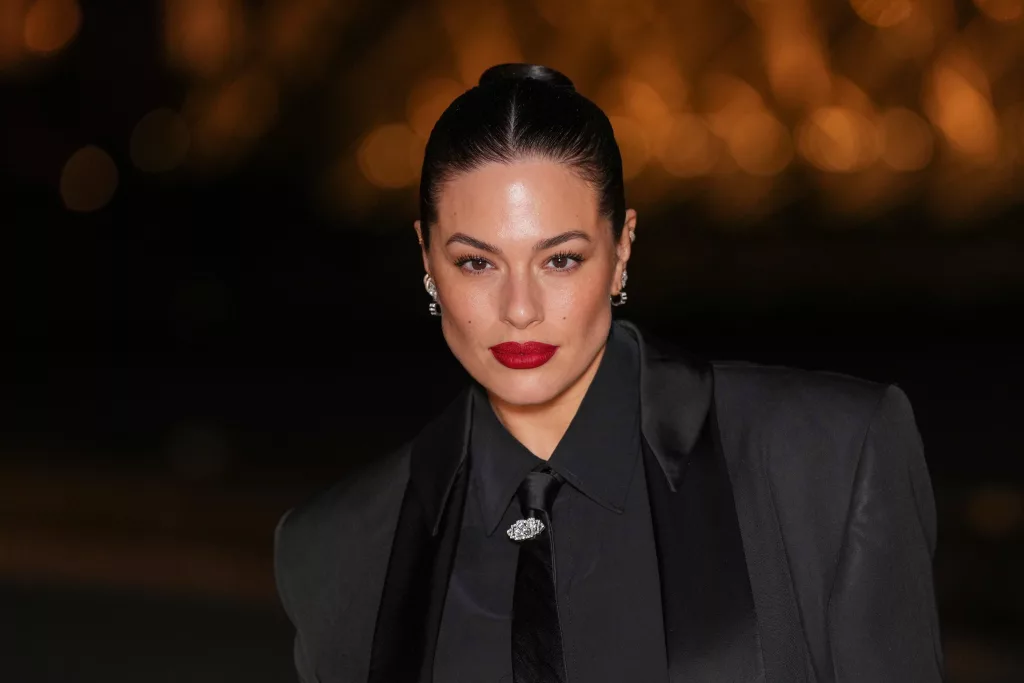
(525,361)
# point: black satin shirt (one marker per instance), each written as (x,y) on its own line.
(609,600)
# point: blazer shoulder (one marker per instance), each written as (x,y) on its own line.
(356,508)
(778,392)
(330,557)
(812,422)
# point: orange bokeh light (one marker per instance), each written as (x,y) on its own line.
(51,24)
(689,149)
(12,39)
(883,13)
(959,105)
(656,67)
(906,140)
(203,34)
(1001,10)
(795,59)
(481,37)
(427,102)
(760,144)
(391,155)
(839,140)
(159,141)
(88,180)
(244,108)
(661,72)
(728,99)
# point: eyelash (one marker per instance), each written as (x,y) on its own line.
(574,256)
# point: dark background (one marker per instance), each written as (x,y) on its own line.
(213,342)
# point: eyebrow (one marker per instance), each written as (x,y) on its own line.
(462,238)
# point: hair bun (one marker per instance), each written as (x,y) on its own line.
(526,72)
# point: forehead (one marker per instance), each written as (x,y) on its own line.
(523,198)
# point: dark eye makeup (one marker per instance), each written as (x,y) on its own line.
(563,261)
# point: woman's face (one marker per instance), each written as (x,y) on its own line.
(520,253)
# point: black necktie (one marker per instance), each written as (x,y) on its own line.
(536,635)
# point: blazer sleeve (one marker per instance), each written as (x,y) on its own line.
(303,666)
(882,615)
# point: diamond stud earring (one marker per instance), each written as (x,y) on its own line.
(428,284)
(620,298)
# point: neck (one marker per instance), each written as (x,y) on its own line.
(540,427)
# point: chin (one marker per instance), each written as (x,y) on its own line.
(525,387)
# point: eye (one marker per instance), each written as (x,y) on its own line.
(565,261)
(473,264)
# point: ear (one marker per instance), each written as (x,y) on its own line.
(418,227)
(623,249)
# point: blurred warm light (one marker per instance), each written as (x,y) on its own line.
(883,13)
(391,155)
(757,141)
(1001,10)
(838,140)
(481,35)
(51,24)
(237,113)
(291,25)
(12,18)
(661,72)
(759,144)
(634,145)
(913,38)
(798,73)
(88,180)
(794,55)
(728,99)
(646,106)
(1012,124)
(427,102)
(906,140)
(159,141)
(300,33)
(689,148)
(958,104)
(556,12)
(250,102)
(658,69)
(477,53)
(644,102)
(995,511)
(202,34)
(846,93)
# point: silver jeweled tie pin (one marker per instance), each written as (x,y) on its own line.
(525,529)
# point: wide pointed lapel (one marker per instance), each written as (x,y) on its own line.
(746,453)
(423,550)
(708,611)
(675,394)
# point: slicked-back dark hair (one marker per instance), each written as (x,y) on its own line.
(523,111)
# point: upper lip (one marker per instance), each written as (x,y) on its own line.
(522,348)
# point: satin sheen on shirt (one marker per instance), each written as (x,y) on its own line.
(609,600)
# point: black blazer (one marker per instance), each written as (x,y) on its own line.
(815,483)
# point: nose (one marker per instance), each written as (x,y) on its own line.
(521,301)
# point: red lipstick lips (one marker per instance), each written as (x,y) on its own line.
(523,356)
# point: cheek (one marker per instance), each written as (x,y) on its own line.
(468,303)
(467,310)
(577,297)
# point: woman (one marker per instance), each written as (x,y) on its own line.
(595,507)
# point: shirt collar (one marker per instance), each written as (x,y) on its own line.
(676,392)
(596,455)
